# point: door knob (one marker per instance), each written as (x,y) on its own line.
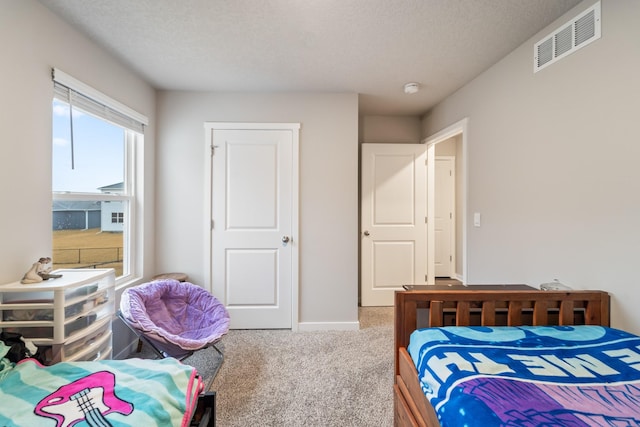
(285,239)
(366,232)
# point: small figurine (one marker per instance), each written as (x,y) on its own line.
(32,275)
(39,271)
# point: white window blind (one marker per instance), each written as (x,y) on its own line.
(84,97)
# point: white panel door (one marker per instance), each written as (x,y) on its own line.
(444,215)
(393,220)
(252,226)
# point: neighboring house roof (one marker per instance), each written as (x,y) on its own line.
(113,188)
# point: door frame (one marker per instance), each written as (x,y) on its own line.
(458,128)
(209,148)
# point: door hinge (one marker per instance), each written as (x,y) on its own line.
(213,149)
(212,224)
(450,215)
(426,221)
(450,258)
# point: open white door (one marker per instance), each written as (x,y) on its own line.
(393,220)
(254,224)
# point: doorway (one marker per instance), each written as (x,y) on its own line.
(457,135)
(404,257)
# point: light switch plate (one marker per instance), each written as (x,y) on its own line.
(476,219)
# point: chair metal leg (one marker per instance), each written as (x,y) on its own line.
(215,372)
(160,354)
(141,337)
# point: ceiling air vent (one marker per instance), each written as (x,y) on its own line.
(575,34)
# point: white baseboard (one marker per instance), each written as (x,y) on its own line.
(328,326)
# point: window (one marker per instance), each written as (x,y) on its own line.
(117,217)
(93,176)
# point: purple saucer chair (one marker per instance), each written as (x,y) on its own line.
(174,318)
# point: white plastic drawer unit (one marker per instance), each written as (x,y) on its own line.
(86,345)
(71,314)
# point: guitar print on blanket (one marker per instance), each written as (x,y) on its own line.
(87,399)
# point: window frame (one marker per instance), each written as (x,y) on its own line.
(133,145)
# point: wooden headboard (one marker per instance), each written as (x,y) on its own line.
(467,307)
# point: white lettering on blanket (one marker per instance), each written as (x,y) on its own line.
(571,366)
(579,366)
(627,356)
(482,365)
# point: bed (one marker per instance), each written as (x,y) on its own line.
(131,392)
(472,354)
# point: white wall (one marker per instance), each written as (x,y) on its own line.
(33,41)
(553,164)
(328,188)
(390,129)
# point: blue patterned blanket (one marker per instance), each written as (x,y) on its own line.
(132,392)
(529,376)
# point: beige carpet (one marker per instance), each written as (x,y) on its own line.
(284,378)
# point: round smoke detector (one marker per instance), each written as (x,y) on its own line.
(411,88)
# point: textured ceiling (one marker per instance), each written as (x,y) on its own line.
(371,47)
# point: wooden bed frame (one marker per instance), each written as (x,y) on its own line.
(465,307)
